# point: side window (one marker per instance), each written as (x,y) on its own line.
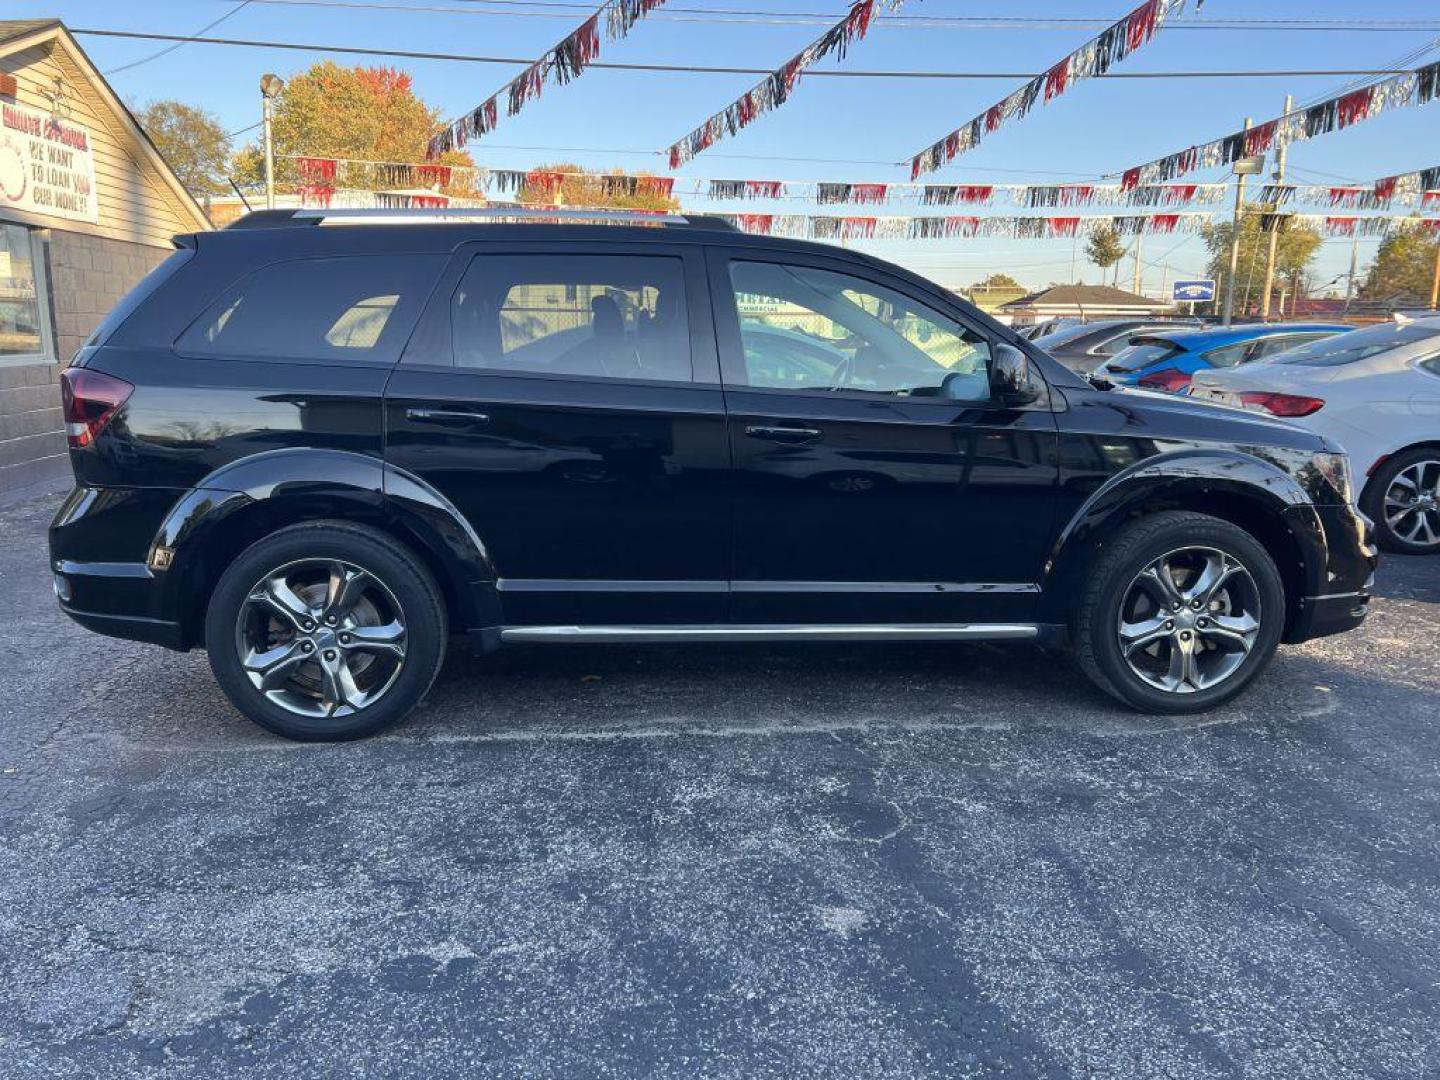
(353,306)
(1111,345)
(1229,355)
(607,316)
(803,328)
(1278,343)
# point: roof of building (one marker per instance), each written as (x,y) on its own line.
(14,28)
(18,34)
(1086,296)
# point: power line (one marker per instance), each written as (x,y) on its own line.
(894,21)
(697,69)
(156,55)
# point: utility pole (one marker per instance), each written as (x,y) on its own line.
(1135,281)
(1350,278)
(1242,168)
(1281,152)
(1435,281)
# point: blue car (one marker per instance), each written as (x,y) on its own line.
(1166,360)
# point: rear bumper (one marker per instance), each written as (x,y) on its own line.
(118,599)
(122,598)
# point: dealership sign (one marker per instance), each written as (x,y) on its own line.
(47,165)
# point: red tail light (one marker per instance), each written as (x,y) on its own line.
(89,400)
(1282,404)
(1169,379)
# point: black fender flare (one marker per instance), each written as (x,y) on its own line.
(311,482)
(1185,477)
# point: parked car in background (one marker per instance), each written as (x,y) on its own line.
(1049,326)
(1374,391)
(1167,361)
(1082,346)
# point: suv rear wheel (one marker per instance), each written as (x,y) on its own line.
(325,631)
(1179,613)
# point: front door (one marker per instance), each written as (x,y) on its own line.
(875,479)
(565,398)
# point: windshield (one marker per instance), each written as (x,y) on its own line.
(1355,345)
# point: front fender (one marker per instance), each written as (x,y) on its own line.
(245,499)
(1202,479)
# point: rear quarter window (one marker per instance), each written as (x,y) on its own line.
(351,307)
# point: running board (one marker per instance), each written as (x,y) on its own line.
(766,632)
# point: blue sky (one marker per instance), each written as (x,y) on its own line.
(851,129)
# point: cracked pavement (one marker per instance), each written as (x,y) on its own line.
(868,861)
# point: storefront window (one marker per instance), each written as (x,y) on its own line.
(24,329)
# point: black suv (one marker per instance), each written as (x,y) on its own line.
(320,448)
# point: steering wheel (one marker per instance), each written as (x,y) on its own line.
(843,373)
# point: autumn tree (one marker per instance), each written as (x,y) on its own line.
(191,141)
(360,113)
(567,184)
(1294,249)
(1404,267)
(1104,248)
(998,281)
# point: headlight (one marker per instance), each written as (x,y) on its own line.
(1335,468)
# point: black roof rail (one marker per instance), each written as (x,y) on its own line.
(270,219)
(503,215)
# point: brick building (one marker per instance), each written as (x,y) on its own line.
(87,207)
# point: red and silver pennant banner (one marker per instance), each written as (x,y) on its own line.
(1026,195)
(777,87)
(562,63)
(1095,57)
(824,227)
(1418,87)
(1347,226)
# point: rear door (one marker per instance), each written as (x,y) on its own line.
(875,479)
(565,397)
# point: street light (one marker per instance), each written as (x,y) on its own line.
(270,87)
(1243,167)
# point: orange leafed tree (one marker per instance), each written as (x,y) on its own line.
(362,113)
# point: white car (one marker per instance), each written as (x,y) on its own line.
(1374,391)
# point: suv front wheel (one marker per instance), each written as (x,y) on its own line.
(1179,612)
(325,631)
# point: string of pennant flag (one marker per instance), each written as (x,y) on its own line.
(1411,88)
(775,89)
(936,227)
(562,63)
(1347,226)
(1419,188)
(322,172)
(1095,57)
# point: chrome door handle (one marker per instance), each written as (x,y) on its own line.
(453,417)
(783,433)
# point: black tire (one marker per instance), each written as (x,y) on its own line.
(1118,563)
(402,582)
(1373,503)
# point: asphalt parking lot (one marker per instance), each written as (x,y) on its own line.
(725,862)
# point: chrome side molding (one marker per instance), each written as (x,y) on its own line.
(766,632)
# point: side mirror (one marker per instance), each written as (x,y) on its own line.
(1010,382)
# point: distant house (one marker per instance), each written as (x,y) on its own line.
(87,208)
(1083,302)
(991,299)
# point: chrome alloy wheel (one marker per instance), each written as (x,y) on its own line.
(321,637)
(1189,619)
(1412,503)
